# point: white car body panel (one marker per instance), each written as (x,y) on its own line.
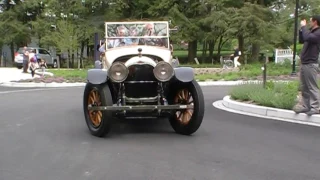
(114,53)
(18,58)
(140,60)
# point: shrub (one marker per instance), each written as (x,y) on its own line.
(284,101)
(278,95)
(262,97)
(242,92)
(285,95)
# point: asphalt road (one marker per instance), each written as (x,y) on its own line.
(43,135)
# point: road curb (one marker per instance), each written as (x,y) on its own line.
(201,83)
(14,84)
(269,112)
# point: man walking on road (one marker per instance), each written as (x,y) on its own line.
(309,66)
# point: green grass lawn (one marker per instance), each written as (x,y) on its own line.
(246,72)
(205,65)
(69,73)
(249,72)
(184,53)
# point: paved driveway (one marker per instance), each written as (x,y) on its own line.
(43,136)
(8,74)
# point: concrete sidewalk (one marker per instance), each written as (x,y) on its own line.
(13,74)
(230,105)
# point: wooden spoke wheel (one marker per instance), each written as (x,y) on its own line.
(184,97)
(94,100)
(187,121)
(98,122)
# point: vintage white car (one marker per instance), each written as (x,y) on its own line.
(139,78)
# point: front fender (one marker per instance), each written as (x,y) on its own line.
(97,76)
(184,74)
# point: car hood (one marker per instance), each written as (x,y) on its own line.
(114,53)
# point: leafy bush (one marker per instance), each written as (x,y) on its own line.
(262,97)
(285,95)
(243,91)
(278,95)
(285,101)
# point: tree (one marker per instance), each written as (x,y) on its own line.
(15,16)
(65,38)
(252,21)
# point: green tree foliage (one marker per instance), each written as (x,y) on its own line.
(256,25)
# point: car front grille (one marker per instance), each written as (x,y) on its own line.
(141,81)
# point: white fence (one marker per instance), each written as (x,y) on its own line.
(284,54)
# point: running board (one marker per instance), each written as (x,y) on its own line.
(139,107)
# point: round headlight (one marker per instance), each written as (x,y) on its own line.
(118,72)
(163,71)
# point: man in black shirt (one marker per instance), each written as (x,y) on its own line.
(236,55)
(309,66)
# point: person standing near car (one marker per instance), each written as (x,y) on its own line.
(25,56)
(33,62)
(309,67)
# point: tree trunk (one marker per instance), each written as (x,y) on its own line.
(72,56)
(12,51)
(241,46)
(241,42)
(78,59)
(81,54)
(192,50)
(220,44)
(211,49)
(255,52)
(1,55)
(69,58)
(39,41)
(204,51)
(87,45)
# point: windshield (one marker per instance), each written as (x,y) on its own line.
(137,33)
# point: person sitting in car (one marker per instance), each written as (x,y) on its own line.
(116,42)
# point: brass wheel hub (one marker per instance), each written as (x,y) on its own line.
(184,97)
(94,100)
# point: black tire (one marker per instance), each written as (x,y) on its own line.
(106,100)
(198,111)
